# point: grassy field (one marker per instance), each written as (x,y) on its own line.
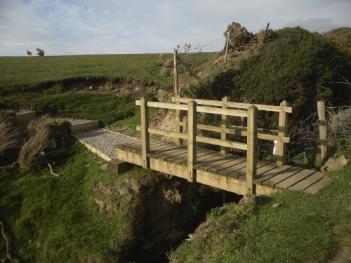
(31,71)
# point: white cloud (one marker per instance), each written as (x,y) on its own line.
(116,26)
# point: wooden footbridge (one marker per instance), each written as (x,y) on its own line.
(232,172)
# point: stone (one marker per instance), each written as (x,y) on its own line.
(124,191)
(118,167)
(103,167)
(276,205)
(335,163)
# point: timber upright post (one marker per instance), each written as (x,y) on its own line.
(226,47)
(175,72)
(178,119)
(224,124)
(145,140)
(282,125)
(192,130)
(251,154)
(322,129)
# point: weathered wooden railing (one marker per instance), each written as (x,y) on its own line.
(223,108)
(263,134)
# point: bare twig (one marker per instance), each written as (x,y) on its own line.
(52,172)
(8,255)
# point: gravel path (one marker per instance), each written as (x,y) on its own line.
(104,140)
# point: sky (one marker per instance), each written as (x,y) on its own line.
(66,27)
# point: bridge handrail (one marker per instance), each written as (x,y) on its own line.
(238,105)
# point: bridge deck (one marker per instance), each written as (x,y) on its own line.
(226,172)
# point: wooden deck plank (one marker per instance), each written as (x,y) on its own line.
(295,179)
(314,188)
(306,183)
(200,157)
(269,174)
(282,176)
(224,163)
(241,173)
(223,169)
(225,159)
(211,162)
(204,163)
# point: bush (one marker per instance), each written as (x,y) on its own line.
(298,66)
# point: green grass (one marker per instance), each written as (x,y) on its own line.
(26,72)
(55,219)
(302,229)
(107,108)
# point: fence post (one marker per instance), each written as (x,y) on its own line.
(224,124)
(178,119)
(192,130)
(145,140)
(226,47)
(175,72)
(322,129)
(282,123)
(251,154)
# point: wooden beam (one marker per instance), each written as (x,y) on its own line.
(165,133)
(226,47)
(145,140)
(192,130)
(162,105)
(178,120)
(238,105)
(219,111)
(322,129)
(251,154)
(282,123)
(175,72)
(224,124)
(242,131)
(219,142)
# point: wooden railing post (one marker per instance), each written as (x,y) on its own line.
(282,123)
(251,154)
(192,130)
(322,129)
(224,124)
(145,140)
(178,120)
(175,72)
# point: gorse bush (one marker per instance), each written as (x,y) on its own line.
(298,66)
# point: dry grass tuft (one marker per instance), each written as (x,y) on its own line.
(9,136)
(44,135)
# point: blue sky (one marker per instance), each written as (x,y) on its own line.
(64,27)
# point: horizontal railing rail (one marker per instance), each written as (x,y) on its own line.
(238,105)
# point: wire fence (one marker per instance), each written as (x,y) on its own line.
(339,122)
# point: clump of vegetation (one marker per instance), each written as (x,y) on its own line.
(9,136)
(297,66)
(44,135)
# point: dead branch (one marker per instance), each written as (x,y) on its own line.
(8,255)
(52,172)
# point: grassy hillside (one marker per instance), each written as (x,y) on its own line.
(297,66)
(303,228)
(31,71)
(89,215)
